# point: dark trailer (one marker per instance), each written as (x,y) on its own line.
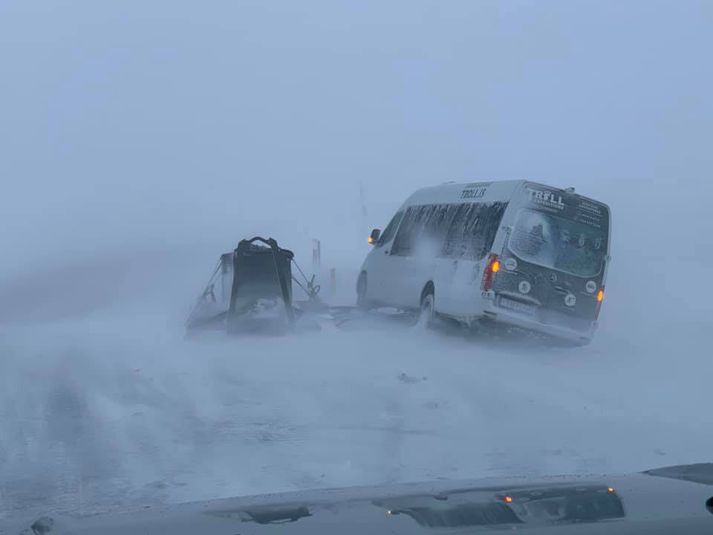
(249,291)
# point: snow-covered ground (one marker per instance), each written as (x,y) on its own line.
(113,406)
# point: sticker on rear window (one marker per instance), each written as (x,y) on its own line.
(546,198)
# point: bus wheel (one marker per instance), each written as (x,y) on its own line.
(361,291)
(427,314)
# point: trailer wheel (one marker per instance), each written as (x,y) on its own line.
(362,301)
(427,313)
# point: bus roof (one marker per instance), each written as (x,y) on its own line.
(481,191)
(451,192)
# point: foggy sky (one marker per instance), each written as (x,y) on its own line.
(138,124)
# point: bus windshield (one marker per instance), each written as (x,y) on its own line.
(558,243)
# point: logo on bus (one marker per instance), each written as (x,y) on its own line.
(473,193)
(546,198)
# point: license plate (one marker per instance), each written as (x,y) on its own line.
(517,306)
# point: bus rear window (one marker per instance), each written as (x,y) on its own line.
(558,243)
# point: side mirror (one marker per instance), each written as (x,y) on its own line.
(374,236)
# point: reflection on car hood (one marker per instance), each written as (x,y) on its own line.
(656,501)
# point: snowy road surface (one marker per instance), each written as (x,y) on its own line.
(103,403)
(121,410)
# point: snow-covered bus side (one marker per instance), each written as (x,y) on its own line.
(512,252)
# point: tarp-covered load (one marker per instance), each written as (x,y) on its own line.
(250,290)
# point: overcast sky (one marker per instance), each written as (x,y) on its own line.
(132,123)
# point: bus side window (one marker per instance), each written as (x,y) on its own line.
(411,229)
(390,229)
(437,225)
(402,242)
(472,230)
(455,243)
(488,224)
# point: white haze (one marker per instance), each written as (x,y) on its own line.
(141,140)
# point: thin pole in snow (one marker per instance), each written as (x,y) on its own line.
(333,282)
(316,255)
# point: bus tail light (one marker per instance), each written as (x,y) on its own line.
(600,298)
(491,269)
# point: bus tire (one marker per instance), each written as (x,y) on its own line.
(362,301)
(427,312)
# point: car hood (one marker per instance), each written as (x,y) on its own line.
(655,501)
